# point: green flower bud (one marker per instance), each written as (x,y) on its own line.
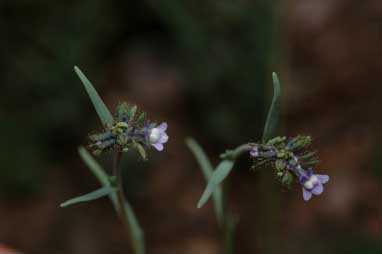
(280,164)
(287,179)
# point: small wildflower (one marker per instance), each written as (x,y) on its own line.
(254,152)
(130,130)
(312,184)
(157,136)
(289,156)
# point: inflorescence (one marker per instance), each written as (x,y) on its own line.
(290,158)
(129,130)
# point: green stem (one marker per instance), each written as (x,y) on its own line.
(229,235)
(233,154)
(136,245)
(228,224)
(120,195)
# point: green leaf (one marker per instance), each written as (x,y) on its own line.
(122,110)
(141,119)
(100,107)
(104,179)
(308,156)
(100,193)
(207,171)
(141,150)
(310,163)
(94,166)
(274,111)
(287,179)
(280,164)
(132,112)
(221,172)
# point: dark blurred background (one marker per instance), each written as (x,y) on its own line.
(205,68)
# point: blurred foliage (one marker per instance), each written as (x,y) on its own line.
(223,48)
(226,48)
(224,52)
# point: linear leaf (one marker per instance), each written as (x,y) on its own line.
(221,172)
(274,111)
(100,107)
(99,172)
(100,193)
(207,171)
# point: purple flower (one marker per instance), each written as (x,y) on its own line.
(312,184)
(254,152)
(157,136)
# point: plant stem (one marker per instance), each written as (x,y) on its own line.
(229,234)
(136,244)
(233,154)
(120,194)
(228,225)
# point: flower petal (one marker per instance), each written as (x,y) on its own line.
(163,138)
(254,152)
(158,146)
(303,179)
(318,189)
(306,194)
(323,178)
(162,126)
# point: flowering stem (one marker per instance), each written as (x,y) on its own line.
(233,154)
(136,245)
(120,194)
(229,233)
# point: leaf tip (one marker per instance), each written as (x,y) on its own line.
(81,150)
(202,200)
(275,76)
(188,140)
(76,69)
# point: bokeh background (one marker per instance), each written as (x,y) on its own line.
(205,68)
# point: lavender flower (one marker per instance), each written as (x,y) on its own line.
(157,136)
(312,184)
(254,152)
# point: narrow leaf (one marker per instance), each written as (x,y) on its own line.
(207,171)
(141,150)
(94,166)
(274,111)
(141,119)
(221,172)
(104,179)
(100,107)
(100,193)
(132,112)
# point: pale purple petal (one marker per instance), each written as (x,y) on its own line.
(318,189)
(158,146)
(323,178)
(303,179)
(162,126)
(163,138)
(254,152)
(306,194)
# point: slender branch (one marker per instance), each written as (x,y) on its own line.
(233,154)
(136,244)
(120,194)
(228,227)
